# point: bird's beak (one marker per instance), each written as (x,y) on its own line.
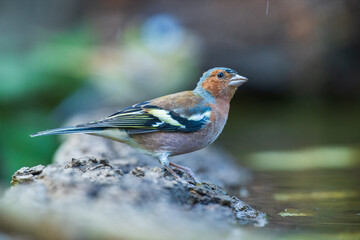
(237,80)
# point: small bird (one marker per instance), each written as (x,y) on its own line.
(171,125)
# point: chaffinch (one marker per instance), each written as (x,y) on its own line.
(173,124)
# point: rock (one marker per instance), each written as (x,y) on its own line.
(208,164)
(26,174)
(102,188)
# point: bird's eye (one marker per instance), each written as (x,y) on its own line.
(220,75)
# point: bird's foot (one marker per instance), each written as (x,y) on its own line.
(187,170)
(177,177)
(165,162)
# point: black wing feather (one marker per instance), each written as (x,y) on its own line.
(138,119)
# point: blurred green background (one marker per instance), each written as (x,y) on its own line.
(302,58)
(295,123)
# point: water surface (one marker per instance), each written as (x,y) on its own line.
(312,203)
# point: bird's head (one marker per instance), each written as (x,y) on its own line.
(220,82)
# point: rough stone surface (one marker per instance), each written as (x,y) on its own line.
(208,164)
(101,188)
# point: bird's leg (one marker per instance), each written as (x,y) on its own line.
(186,170)
(165,162)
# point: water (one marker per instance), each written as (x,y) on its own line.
(306,162)
(308,204)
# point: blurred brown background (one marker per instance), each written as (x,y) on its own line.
(60,58)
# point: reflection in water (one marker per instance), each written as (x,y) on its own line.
(311,202)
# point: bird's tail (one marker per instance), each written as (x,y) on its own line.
(67,130)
